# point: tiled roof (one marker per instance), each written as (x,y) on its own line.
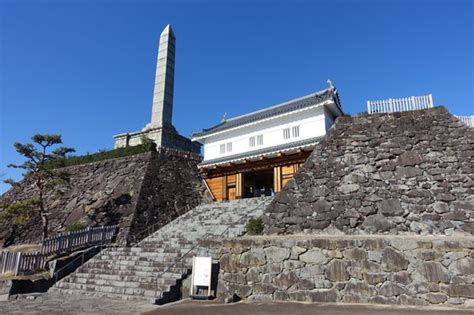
(274,149)
(299,103)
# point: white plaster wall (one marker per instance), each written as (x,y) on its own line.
(312,123)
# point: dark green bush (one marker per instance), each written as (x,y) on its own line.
(255,226)
(76,226)
(103,155)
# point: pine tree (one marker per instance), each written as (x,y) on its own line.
(38,169)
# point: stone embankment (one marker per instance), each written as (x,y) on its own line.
(134,192)
(409,172)
(407,270)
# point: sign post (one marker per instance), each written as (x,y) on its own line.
(201,277)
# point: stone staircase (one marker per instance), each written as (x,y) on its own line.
(153,269)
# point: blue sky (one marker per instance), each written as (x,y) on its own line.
(85,69)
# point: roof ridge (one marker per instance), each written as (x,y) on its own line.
(280,104)
(271,111)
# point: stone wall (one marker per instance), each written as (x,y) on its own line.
(132,192)
(352,269)
(409,172)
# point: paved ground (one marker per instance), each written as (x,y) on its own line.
(211,308)
(72,304)
(80,304)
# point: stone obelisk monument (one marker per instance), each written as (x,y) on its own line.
(162,110)
(160,129)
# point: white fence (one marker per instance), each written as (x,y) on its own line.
(468,120)
(18,263)
(400,104)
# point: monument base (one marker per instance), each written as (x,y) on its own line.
(163,137)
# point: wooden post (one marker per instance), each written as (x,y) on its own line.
(277,178)
(18,261)
(239,186)
(224,188)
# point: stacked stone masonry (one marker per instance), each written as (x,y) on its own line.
(359,269)
(153,269)
(134,192)
(409,172)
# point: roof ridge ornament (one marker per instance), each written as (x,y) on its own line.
(331,85)
(224,117)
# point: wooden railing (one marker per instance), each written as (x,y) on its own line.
(400,104)
(468,120)
(72,240)
(9,262)
(18,263)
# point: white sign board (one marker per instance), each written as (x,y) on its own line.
(202,267)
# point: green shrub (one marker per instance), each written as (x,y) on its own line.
(76,226)
(102,155)
(254,226)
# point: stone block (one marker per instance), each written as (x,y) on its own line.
(460,290)
(299,296)
(254,257)
(230,263)
(337,270)
(393,260)
(374,277)
(361,291)
(434,272)
(253,275)
(464,266)
(390,207)
(322,295)
(409,158)
(408,300)
(377,223)
(391,289)
(277,254)
(285,280)
(296,251)
(356,254)
(435,298)
(314,256)
(263,289)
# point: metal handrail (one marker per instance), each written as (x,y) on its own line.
(196,245)
(55,274)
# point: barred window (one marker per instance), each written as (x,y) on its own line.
(286,133)
(251,141)
(296,131)
(260,140)
(229,147)
(222,148)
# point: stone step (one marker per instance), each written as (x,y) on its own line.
(110,266)
(132,278)
(149,293)
(135,272)
(152,268)
(135,298)
(131,282)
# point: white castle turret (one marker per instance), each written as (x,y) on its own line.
(160,129)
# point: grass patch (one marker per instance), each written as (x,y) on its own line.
(24,248)
(76,226)
(102,155)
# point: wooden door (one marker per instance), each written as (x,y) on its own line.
(231,193)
